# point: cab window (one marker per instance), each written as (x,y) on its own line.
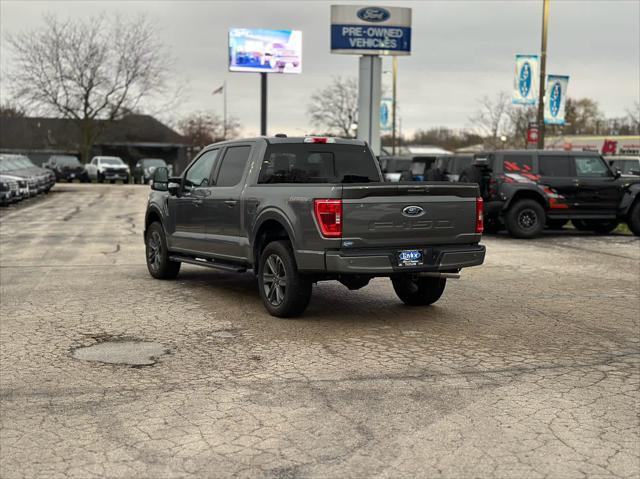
(551,165)
(591,167)
(200,171)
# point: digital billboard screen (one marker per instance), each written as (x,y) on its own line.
(268,51)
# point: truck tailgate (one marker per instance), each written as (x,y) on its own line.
(411,214)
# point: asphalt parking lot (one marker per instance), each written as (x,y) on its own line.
(528,367)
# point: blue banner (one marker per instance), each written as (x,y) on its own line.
(371,38)
(555,99)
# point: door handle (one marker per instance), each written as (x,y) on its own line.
(230,203)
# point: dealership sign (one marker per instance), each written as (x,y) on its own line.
(360,30)
(525,81)
(555,99)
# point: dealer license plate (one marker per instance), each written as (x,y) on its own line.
(412,257)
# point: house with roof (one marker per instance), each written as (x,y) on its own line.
(131,138)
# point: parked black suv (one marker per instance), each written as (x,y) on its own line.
(448,168)
(67,167)
(527,190)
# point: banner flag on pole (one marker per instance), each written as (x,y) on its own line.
(386,115)
(555,99)
(525,81)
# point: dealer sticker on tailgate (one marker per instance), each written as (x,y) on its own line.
(411,257)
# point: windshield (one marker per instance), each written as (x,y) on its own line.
(111,161)
(318,163)
(66,160)
(627,167)
(153,162)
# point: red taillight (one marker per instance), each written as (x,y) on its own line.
(329,217)
(479,215)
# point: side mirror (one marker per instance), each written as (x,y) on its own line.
(160,180)
(617,173)
(175,185)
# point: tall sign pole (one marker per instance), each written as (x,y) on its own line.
(263,104)
(543,73)
(393,124)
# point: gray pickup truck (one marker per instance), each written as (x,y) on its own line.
(301,210)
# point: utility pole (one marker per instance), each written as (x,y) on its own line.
(543,73)
(393,124)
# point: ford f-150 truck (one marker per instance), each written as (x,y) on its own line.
(301,210)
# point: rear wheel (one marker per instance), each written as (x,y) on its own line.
(525,219)
(418,291)
(633,220)
(158,262)
(284,291)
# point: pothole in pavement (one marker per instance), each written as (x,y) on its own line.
(131,353)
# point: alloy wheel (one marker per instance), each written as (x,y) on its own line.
(154,250)
(527,219)
(274,279)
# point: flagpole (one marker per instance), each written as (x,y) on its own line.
(543,73)
(224,126)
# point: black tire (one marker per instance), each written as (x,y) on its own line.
(418,291)
(525,219)
(157,254)
(556,224)
(284,291)
(633,219)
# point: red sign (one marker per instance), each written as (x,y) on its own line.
(609,146)
(532,134)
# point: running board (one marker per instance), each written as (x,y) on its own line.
(215,264)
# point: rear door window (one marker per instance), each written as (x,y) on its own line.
(517,164)
(233,165)
(318,163)
(591,167)
(557,166)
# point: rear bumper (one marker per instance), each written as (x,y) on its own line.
(384,262)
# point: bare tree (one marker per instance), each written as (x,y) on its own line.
(335,107)
(88,70)
(518,125)
(11,110)
(633,115)
(202,128)
(492,118)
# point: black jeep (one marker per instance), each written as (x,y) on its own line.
(526,190)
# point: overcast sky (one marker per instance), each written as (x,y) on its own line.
(461,50)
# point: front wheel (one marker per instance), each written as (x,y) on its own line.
(418,291)
(525,219)
(633,220)
(284,291)
(158,262)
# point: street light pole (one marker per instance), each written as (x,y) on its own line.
(543,73)
(393,124)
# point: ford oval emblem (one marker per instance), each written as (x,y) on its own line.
(373,14)
(412,211)
(555,99)
(524,82)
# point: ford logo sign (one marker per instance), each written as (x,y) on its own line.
(412,211)
(373,14)
(555,99)
(524,82)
